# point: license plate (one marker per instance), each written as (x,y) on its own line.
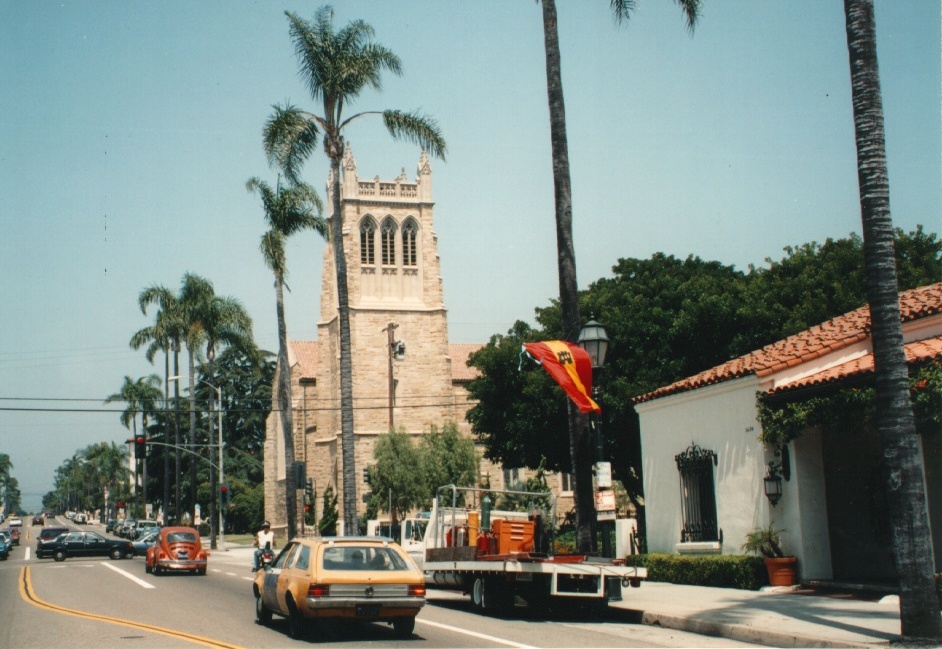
(368,610)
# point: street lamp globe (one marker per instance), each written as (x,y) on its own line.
(594,340)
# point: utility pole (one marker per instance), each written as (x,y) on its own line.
(390,344)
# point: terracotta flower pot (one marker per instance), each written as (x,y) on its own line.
(781,570)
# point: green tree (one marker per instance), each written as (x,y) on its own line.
(337,67)
(447,457)
(12,496)
(397,475)
(327,525)
(288,210)
(6,466)
(912,544)
(580,445)
(109,464)
(141,397)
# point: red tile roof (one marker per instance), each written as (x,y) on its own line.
(807,345)
(305,354)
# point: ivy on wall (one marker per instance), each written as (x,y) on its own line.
(851,407)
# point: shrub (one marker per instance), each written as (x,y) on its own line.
(721,570)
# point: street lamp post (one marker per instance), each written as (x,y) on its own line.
(594,340)
(222,465)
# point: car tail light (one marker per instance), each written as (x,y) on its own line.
(318,590)
(417,591)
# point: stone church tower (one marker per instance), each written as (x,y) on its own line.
(406,375)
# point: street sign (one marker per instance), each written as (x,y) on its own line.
(603,475)
(605,501)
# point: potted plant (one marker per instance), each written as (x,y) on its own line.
(767,541)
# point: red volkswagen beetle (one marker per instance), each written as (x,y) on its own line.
(176,549)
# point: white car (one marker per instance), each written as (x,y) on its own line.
(16,521)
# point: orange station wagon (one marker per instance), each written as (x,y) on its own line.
(363,578)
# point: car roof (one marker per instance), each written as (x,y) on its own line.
(369,541)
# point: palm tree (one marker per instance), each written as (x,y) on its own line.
(221,321)
(109,464)
(164,335)
(337,67)
(912,544)
(287,211)
(140,397)
(580,443)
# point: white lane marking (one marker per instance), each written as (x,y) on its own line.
(28,552)
(249,578)
(136,580)
(480,636)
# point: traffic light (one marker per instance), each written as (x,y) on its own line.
(224,493)
(367,478)
(140,447)
(309,490)
(300,471)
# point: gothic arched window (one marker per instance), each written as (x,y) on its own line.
(388,231)
(410,254)
(367,241)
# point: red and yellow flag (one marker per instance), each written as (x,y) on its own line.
(570,367)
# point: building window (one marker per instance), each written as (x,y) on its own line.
(367,242)
(410,256)
(389,242)
(565,482)
(697,495)
(513,479)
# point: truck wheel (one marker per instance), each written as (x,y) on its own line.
(497,598)
(477,594)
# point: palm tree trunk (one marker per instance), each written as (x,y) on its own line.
(350,522)
(912,542)
(580,446)
(166,498)
(192,437)
(287,419)
(177,478)
(213,472)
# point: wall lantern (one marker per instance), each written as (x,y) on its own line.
(773,484)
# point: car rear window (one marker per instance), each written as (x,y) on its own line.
(351,557)
(181,537)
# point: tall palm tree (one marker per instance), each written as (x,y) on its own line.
(109,464)
(287,211)
(222,321)
(140,398)
(337,67)
(912,544)
(580,443)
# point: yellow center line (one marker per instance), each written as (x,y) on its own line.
(29,595)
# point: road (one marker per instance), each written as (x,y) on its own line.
(98,603)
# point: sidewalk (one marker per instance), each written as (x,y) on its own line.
(780,617)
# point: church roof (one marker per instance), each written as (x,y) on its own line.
(816,342)
(304,359)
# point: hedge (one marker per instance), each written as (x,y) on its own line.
(746,572)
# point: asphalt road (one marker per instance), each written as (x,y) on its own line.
(99,603)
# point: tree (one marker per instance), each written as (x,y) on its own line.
(168,331)
(140,397)
(337,67)
(396,475)
(912,545)
(327,525)
(447,457)
(287,211)
(580,445)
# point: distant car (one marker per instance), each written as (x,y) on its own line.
(111,524)
(176,549)
(4,548)
(89,544)
(143,526)
(125,530)
(7,539)
(47,536)
(38,520)
(143,542)
(356,578)
(16,521)
(14,536)
(79,519)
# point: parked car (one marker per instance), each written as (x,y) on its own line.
(4,549)
(38,520)
(46,537)
(176,548)
(143,542)
(356,578)
(14,536)
(113,524)
(89,544)
(79,519)
(7,539)
(16,521)
(125,530)
(144,526)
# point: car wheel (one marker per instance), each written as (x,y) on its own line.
(59,555)
(201,572)
(404,626)
(158,571)
(262,612)
(147,568)
(296,624)
(116,554)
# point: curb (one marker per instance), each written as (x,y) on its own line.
(738,632)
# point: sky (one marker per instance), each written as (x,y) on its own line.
(128,129)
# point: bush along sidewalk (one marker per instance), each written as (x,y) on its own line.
(718,571)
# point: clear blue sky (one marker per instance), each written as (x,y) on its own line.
(128,129)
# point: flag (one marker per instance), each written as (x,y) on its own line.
(570,367)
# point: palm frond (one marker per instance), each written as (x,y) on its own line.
(289,137)
(621,10)
(418,128)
